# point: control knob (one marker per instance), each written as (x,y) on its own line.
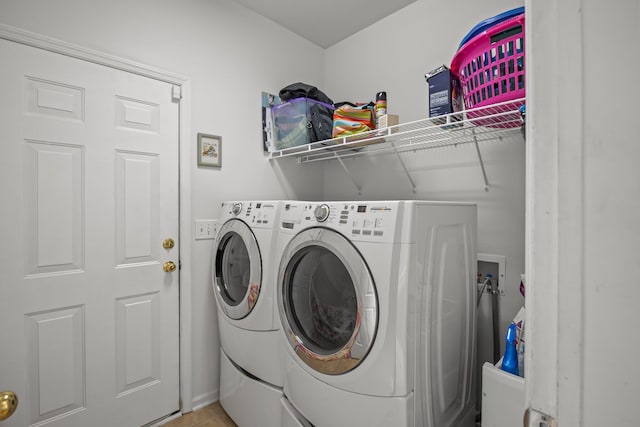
(321,213)
(236,209)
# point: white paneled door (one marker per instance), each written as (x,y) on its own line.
(89,172)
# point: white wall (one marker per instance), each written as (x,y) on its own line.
(611,203)
(230,55)
(393,55)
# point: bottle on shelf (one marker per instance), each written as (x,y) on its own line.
(510,358)
(380,106)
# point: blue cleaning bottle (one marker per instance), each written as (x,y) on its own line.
(510,359)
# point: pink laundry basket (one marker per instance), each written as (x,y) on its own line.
(490,63)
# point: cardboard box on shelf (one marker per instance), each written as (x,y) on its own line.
(387,120)
(444,92)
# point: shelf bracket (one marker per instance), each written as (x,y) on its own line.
(404,168)
(484,172)
(358,187)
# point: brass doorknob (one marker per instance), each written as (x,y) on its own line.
(8,404)
(168,243)
(169,267)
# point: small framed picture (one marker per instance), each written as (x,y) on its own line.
(209,150)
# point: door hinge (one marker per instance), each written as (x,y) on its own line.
(176,93)
(533,418)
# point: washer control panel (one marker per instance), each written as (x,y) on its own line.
(364,221)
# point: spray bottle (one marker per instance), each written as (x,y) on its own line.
(510,358)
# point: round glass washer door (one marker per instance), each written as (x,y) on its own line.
(327,301)
(237,269)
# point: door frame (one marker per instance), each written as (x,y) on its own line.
(184,175)
(555,258)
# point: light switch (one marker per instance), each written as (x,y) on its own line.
(206,228)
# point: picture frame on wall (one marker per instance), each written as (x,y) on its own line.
(209,150)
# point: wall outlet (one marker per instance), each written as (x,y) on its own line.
(206,228)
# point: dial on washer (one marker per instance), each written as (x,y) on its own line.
(321,213)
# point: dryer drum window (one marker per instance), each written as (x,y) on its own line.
(238,269)
(321,300)
(234,266)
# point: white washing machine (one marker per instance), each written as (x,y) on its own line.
(377,303)
(243,273)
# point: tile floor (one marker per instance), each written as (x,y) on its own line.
(214,416)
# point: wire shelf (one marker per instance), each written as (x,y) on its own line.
(497,121)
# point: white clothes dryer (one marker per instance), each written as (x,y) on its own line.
(377,304)
(246,399)
(243,276)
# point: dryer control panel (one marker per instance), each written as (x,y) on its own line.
(255,213)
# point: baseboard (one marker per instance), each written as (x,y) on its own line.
(205,399)
(199,402)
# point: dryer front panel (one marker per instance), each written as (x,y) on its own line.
(327,301)
(237,269)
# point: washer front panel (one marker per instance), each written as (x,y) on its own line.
(237,269)
(327,301)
